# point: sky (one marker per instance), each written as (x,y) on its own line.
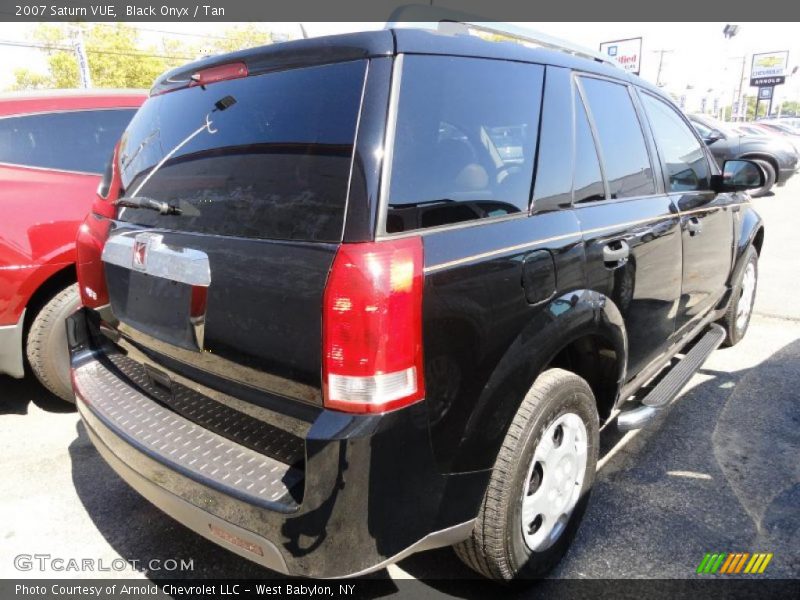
(697,54)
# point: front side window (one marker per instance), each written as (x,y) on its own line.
(622,145)
(680,151)
(465,141)
(69,141)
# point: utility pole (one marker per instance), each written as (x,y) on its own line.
(83,59)
(730,31)
(743,116)
(661,54)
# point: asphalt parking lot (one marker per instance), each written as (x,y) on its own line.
(721,473)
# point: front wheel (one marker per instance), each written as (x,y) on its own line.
(540,485)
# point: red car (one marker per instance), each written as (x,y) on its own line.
(54,148)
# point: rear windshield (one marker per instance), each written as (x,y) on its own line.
(266,156)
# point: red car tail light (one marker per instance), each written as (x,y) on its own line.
(92,235)
(372,327)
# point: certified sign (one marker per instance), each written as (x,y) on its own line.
(627,53)
(769,68)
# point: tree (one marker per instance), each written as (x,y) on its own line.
(116,58)
(233,39)
(240,38)
(790,108)
(25,79)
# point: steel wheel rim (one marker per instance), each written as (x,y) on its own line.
(745,304)
(554,481)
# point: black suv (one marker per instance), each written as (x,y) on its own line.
(371,294)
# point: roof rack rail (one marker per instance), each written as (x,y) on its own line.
(442,19)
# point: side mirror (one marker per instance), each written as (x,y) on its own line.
(738,176)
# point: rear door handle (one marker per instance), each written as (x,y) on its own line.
(694,226)
(615,254)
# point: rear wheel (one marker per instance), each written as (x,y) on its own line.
(47,343)
(540,484)
(769,178)
(737,317)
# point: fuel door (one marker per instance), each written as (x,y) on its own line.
(539,276)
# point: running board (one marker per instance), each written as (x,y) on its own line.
(661,396)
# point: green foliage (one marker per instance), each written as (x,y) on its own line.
(240,38)
(118,59)
(789,107)
(25,79)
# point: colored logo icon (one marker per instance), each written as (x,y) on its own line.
(734,562)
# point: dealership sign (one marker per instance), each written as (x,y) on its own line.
(769,68)
(627,53)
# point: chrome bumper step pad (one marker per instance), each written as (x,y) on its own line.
(182,445)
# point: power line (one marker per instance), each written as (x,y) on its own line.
(90,51)
(199,35)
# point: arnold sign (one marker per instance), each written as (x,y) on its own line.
(627,53)
(769,68)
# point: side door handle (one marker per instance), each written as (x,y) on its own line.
(694,226)
(616,253)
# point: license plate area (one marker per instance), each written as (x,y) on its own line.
(155,306)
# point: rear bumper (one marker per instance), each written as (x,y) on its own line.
(367,494)
(11,362)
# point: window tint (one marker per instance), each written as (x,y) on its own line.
(553,186)
(679,149)
(622,145)
(465,141)
(588,182)
(274,164)
(71,141)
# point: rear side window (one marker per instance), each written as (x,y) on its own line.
(266,156)
(588,180)
(680,151)
(465,141)
(622,145)
(552,189)
(70,141)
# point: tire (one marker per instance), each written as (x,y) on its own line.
(769,178)
(736,327)
(498,547)
(46,345)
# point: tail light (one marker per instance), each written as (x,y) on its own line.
(372,327)
(92,235)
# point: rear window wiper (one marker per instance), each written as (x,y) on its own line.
(163,208)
